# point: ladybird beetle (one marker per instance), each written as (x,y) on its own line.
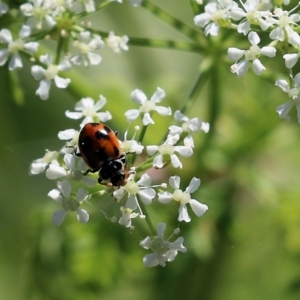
(100,149)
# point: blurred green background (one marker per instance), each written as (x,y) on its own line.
(247,246)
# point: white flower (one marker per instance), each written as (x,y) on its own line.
(63,196)
(69,170)
(39,11)
(117,43)
(251,55)
(284,109)
(87,108)
(184,198)
(215,13)
(127,215)
(168,149)
(86,48)
(142,188)
(147,106)
(189,126)
(3,8)
(39,165)
(283,29)
(49,74)
(69,134)
(251,13)
(14,46)
(291,59)
(131,146)
(163,250)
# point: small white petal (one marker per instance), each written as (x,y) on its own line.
(235,54)
(94,58)
(65,188)
(15,62)
(138,96)
(37,72)
(4,53)
(147,119)
(183,214)
(268,51)
(284,109)
(46,59)
(163,111)
(151,260)
(61,83)
(31,47)
(291,59)
(161,227)
(283,84)
(132,114)
(58,216)
(55,195)
(24,32)
(174,182)
(193,186)
(147,195)
(55,171)
(175,161)
(69,161)
(74,115)
(151,150)
(158,96)
(202,19)
(146,243)
(185,151)
(258,67)
(82,215)
(158,161)
(5,36)
(81,195)
(164,197)
(253,38)
(66,134)
(198,208)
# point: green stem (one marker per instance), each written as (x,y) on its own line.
(141,137)
(195,7)
(168,44)
(172,21)
(148,219)
(58,50)
(214,105)
(201,80)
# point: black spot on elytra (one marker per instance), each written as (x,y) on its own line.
(102,134)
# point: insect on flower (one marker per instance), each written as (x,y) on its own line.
(100,149)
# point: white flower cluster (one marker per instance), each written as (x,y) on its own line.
(74,184)
(257,19)
(63,18)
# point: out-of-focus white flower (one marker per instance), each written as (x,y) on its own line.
(163,250)
(63,196)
